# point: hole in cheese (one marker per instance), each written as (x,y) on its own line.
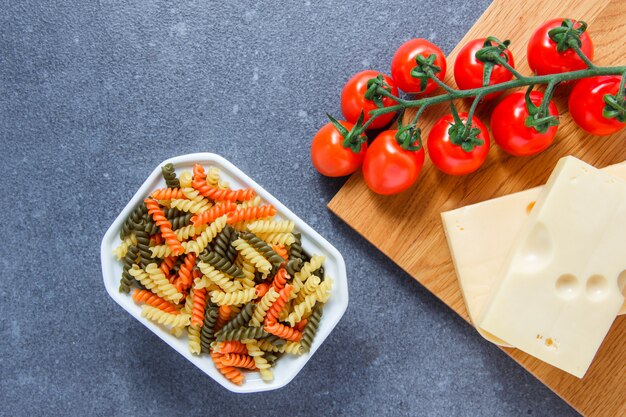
(621,283)
(537,250)
(567,286)
(597,287)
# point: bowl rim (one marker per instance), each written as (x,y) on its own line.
(328,321)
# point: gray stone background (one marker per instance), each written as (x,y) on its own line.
(93,95)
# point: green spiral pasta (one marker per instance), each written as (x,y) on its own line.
(308,334)
(169,175)
(294,266)
(127,262)
(242,318)
(270,357)
(264,249)
(242,333)
(223,243)
(143,244)
(135,217)
(222,264)
(295,249)
(207,334)
(180,219)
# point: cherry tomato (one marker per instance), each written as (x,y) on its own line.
(543,58)
(388,168)
(468,71)
(451,158)
(330,157)
(510,132)
(353,99)
(586,103)
(404,61)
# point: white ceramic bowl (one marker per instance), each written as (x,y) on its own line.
(288,366)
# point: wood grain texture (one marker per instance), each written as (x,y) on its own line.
(408,228)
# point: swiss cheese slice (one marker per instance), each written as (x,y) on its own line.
(481,235)
(558,292)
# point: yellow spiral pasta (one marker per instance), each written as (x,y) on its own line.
(163,288)
(206,236)
(259,361)
(214,180)
(267,346)
(299,310)
(161,251)
(177,331)
(237,297)
(186,232)
(307,270)
(294,348)
(254,257)
(271,226)
(216,277)
(140,275)
(322,291)
(193,335)
(278,238)
(128,241)
(309,287)
(262,307)
(167,319)
(188,303)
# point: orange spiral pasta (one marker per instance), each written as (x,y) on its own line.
(167,265)
(229,372)
(185,278)
(199,304)
(217,194)
(238,361)
(150,298)
(274,311)
(284,332)
(231,346)
(281,251)
(213,213)
(168,194)
(165,226)
(224,314)
(262,288)
(280,279)
(301,325)
(250,213)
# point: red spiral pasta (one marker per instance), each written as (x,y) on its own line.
(228,371)
(281,251)
(156,239)
(262,288)
(168,194)
(280,279)
(185,279)
(251,213)
(284,332)
(217,194)
(165,226)
(213,213)
(274,311)
(301,325)
(199,304)
(167,265)
(224,314)
(238,361)
(150,298)
(232,346)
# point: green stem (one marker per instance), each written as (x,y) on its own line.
(524,82)
(547,96)
(418,114)
(442,84)
(582,56)
(509,68)
(622,87)
(472,109)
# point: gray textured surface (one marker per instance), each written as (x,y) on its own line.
(93,96)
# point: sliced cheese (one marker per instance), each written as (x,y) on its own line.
(558,292)
(481,235)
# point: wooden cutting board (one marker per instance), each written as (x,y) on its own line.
(408,228)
